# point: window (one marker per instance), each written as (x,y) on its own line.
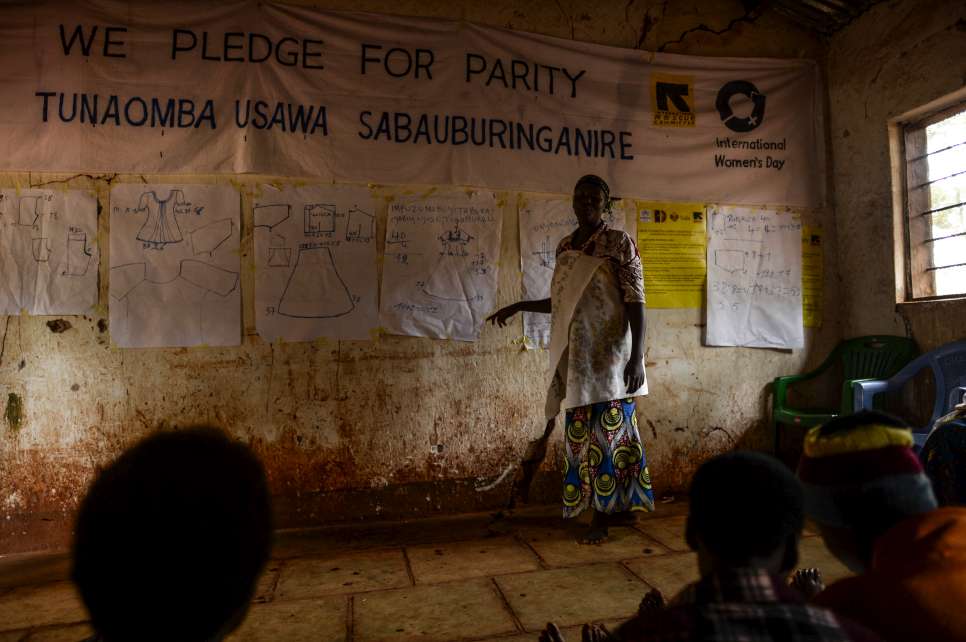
(933,179)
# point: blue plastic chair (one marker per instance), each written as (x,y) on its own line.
(948,365)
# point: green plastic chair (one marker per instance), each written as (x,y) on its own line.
(883,355)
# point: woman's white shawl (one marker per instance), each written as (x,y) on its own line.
(590,340)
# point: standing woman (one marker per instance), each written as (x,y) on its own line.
(597,361)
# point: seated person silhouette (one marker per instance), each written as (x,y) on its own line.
(172,537)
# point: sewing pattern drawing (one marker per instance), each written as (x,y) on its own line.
(40,247)
(361,226)
(30,211)
(161,226)
(211,278)
(79,255)
(208,238)
(480,265)
(148,309)
(453,279)
(453,242)
(547,254)
(315,290)
(319,219)
(732,261)
(278,254)
(271,215)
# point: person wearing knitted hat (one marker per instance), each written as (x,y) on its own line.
(866,491)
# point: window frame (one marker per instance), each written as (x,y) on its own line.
(899,128)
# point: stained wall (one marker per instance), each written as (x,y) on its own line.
(398,426)
(895,58)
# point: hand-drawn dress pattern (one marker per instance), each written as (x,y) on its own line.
(161,226)
(605,466)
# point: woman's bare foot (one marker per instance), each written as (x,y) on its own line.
(597,532)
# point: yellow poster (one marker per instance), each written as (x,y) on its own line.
(672,240)
(813,276)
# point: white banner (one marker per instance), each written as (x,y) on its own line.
(256,87)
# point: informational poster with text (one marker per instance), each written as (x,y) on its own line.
(813,276)
(754,278)
(671,238)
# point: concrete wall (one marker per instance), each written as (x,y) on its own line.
(346,429)
(898,56)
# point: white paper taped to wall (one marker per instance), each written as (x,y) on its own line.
(754,279)
(174,278)
(49,260)
(544,221)
(315,263)
(440,273)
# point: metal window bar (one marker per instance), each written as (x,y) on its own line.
(940,209)
(953,175)
(944,267)
(943,238)
(926,155)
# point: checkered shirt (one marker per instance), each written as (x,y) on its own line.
(743,606)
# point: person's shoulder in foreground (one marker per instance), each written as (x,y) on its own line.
(875,509)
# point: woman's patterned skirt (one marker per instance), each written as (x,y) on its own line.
(605,467)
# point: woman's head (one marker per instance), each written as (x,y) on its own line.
(591,200)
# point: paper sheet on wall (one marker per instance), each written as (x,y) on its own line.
(543,222)
(439,276)
(754,279)
(672,240)
(813,276)
(315,263)
(175,266)
(48,251)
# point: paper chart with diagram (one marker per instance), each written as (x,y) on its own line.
(175,267)
(754,278)
(49,257)
(315,263)
(544,221)
(440,270)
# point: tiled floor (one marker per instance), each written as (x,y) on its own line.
(459,578)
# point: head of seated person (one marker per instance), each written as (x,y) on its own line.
(861,478)
(746,511)
(171,538)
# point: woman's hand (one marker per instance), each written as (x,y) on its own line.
(501,316)
(634,374)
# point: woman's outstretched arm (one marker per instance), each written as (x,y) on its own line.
(501,316)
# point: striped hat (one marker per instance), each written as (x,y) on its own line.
(861,468)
